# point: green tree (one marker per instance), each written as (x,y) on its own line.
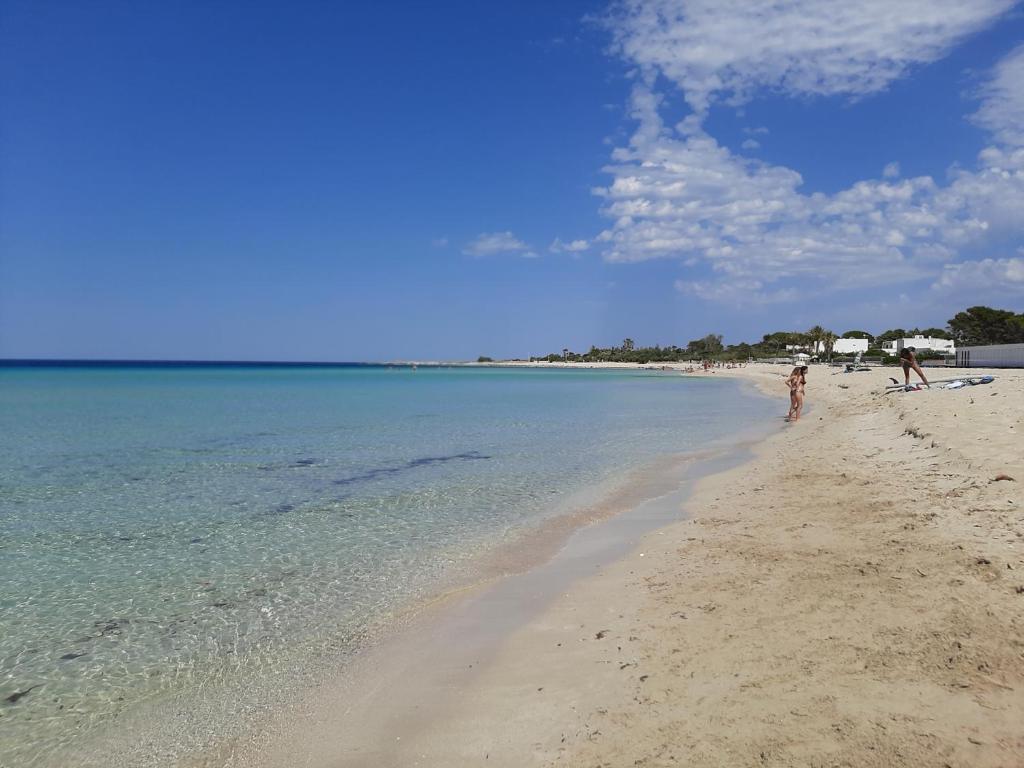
(775,344)
(858,335)
(984,325)
(829,343)
(816,339)
(713,343)
(740,351)
(709,346)
(935,333)
(627,345)
(890,335)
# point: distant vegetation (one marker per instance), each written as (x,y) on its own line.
(977,326)
(984,325)
(627,353)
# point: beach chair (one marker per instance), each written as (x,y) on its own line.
(856,364)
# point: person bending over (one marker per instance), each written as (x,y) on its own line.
(909,360)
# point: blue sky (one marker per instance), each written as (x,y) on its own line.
(344,181)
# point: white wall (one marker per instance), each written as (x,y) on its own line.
(843,347)
(849,346)
(920,343)
(992,356)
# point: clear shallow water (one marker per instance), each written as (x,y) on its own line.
(163,529)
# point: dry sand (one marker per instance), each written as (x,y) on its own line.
(854,596)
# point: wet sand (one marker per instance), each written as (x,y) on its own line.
(394,692)
(853,596)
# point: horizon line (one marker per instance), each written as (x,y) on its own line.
(42,361)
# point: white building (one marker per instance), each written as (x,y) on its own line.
(846,346)
(840,347)
(921,344)
(991,356)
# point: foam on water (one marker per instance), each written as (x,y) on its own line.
(163,530)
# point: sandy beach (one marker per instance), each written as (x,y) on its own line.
(851,596)
(374,384)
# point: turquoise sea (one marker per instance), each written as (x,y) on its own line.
(170,531)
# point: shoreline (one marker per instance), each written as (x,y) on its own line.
(818,608)
(527,550)
(435,648)
(405,684)
(848,595)
(851,595)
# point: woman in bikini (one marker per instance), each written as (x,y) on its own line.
(908,359)
(796,382)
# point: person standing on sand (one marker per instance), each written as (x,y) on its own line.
(796,382)
(792,392)
(909,360)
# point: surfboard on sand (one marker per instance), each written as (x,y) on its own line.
(969,380)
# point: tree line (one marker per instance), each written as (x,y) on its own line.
(975,326)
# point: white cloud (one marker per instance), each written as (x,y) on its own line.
(736,292)
(726,49)
(498,243)
(751,144)
(688,197)
(1002,109)
(675,192)
(439,242)
(1006,275)
(573,246)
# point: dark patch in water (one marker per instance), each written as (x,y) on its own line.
(70,656)
(109,627)
(280,509)
(14,697)
(103,629)
(373,474)
(196,540)
(468,456)
(294,465)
